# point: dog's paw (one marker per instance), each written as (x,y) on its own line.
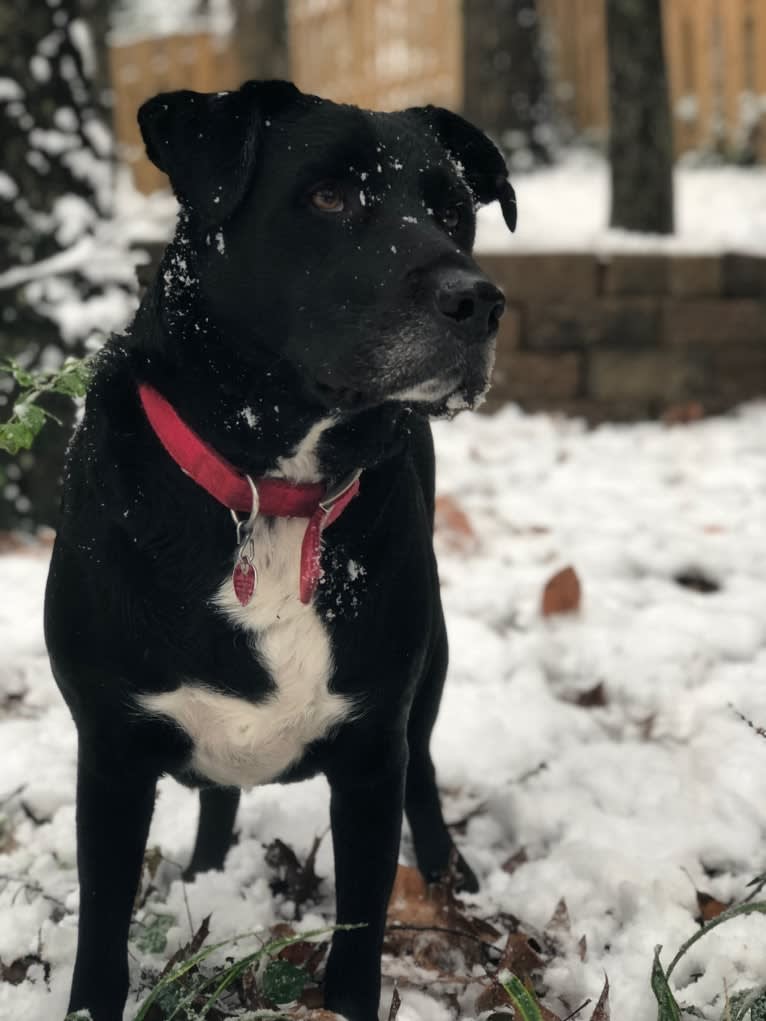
(465,880)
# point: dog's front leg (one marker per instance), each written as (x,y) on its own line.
(114,810)
(366,817)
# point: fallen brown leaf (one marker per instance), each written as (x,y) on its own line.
(248,989)
(559,922)
(516,860)
(562,593)
(313,998)
(396,1002)
(304,954)
(152,861)
(646,726)
(683,413)
(520,955)
(294,879)
(594,698)
(433,951)
(413,903)
(493,996)
(454,526)
(601,1011)
(709,907)
(16,972)
(430,920)
(582,947)
(188,949)
(8,841)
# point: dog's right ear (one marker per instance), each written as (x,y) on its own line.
(207,143)
(480,161)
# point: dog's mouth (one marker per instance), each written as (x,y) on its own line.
(434,390)
(435,398)
(462,389)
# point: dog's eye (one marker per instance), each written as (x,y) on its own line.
(328,198)
(451,217)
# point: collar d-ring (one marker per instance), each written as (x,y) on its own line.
(245,525)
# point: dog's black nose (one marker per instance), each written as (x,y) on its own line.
(472,303)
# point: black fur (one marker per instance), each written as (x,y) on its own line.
(265,302)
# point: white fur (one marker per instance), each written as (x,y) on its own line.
(302,464)
(430,391)
(243,743)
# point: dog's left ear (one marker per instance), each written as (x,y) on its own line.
(207,143)
(481,162)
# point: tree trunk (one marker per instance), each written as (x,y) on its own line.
(640,136)
(55,189)
(505,88)
(260,35)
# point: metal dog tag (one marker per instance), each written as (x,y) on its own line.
(244,576)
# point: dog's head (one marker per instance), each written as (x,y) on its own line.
(339,239)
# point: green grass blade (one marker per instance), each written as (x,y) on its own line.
(233,972)
(759,907)
(524,1003)
(179,972)
(748,1001)
(227,975)
(668,1009)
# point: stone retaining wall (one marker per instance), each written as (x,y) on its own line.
(629,336)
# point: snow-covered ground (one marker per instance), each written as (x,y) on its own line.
(566,208)
(623,808)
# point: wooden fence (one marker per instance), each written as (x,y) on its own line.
(716,55)
(391,53)
(141,68)
(378,55)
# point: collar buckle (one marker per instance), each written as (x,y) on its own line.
(334,493)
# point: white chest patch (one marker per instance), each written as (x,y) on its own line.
(241,743)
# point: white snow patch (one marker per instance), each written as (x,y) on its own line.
(8,187)
(40,68)
(10,89)
(566,208)
(621,808)
(250,417)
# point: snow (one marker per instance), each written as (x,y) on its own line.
(81,38)
(104,251)
(145,19)
(566,208)
(622,809)
(10,89)
(40,68)
(8,187)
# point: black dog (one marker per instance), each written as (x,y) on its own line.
(318,302)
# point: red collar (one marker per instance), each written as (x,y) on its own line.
(276,497)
